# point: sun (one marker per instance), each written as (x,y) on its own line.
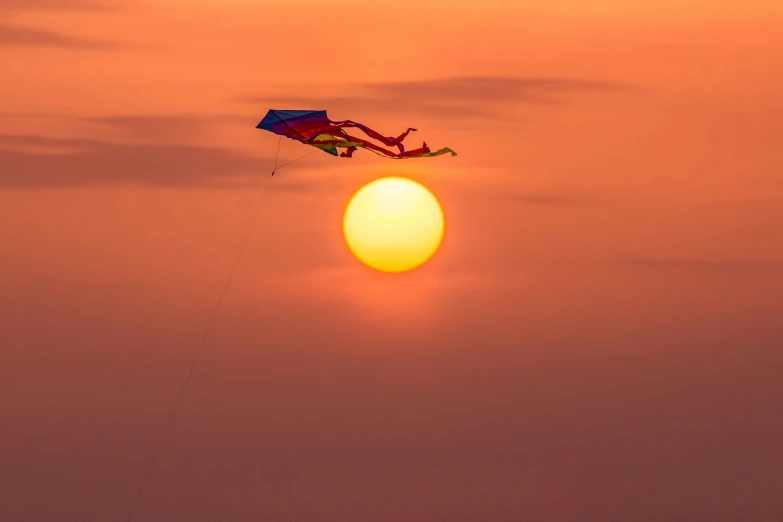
(393,224)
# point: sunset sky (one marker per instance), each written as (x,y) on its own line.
(598,338)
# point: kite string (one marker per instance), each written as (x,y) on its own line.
(198,352)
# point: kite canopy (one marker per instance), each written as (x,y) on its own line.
(316,129)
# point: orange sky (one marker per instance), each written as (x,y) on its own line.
(598,337)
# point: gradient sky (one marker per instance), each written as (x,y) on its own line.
(598,338)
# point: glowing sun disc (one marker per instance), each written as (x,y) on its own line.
(393,224)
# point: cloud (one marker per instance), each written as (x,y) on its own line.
(153,128)
(307,184)
(55,5)
(447,98)
(544,200)
(33,161)
(18,36)
(22,36)
(479,88)
(30,161)
(156,128)
(708,266)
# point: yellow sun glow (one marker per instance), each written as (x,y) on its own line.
(393,224)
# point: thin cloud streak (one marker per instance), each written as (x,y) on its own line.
(38,162)
(56,5)
(707,266)
(156,128)
(448,98)
(11,36)
(490,88)
(544,200)
(30,161)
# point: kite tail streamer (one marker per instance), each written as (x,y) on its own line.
(386,140)
(348,152)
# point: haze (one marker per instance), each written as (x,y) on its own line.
(598,337)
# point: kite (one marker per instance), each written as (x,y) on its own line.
(316,129)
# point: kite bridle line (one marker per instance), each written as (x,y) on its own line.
(297,159)
(133,505)
(277,154)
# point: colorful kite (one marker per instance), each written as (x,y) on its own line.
(316,129)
